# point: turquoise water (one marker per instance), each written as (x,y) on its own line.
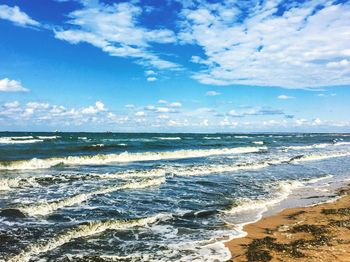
(151,197)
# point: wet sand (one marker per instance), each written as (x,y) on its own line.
(318,233)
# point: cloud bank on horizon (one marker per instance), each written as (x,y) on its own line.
(295,45)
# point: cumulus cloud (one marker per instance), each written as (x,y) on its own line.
(155,118)
(293,44)
(16,16)
(115,30)
(8,85)
(99,107)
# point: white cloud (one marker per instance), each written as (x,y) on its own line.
(37,105)
(7,85)
(140,114)
(129,106)
(150,108)
(13,104)
(162,101)
(115,29)
(205,122)
(151,79)
(284,97)
(233,113)
(303,47)
(162,110)
(175,104)
(163,117)
(150,73)
(340,64)
(317,121)
(99,106)
(212,93)
(89,110)
(301,121)
(15,15)
(227,123)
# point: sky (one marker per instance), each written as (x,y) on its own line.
(175,65)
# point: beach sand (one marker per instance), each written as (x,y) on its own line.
(317,233)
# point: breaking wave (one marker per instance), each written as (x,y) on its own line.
(85,230)
(46,208)
(48,137)
(197,170)
(315,146)
(284,189)
(100,159)
(169,138)
(19,140)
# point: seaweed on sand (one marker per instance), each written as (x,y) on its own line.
(336,211)
(259,249)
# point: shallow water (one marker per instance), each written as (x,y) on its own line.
(152,197)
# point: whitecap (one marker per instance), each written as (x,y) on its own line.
(100,159)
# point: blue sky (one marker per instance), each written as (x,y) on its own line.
(175,65)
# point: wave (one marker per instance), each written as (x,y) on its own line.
(46,208)
(241,137)
(284,189)
(98,145)
(100,159)
(321,145)
(169,138)
(14,140)
(258,142)
(342,143)
(20,137)
(197,170)
(212,137)
(48,137)
(85,230)
(315,157)
(210,169)
(317,179)
(7,184)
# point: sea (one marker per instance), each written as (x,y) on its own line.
(152,196)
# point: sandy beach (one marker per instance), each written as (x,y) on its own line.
(316,233)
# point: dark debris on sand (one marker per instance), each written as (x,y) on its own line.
(261,250)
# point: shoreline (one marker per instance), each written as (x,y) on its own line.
(319,232)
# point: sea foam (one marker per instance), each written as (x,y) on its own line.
(101,159)
(84,230)
(46,208)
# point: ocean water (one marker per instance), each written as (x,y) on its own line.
(153,197)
